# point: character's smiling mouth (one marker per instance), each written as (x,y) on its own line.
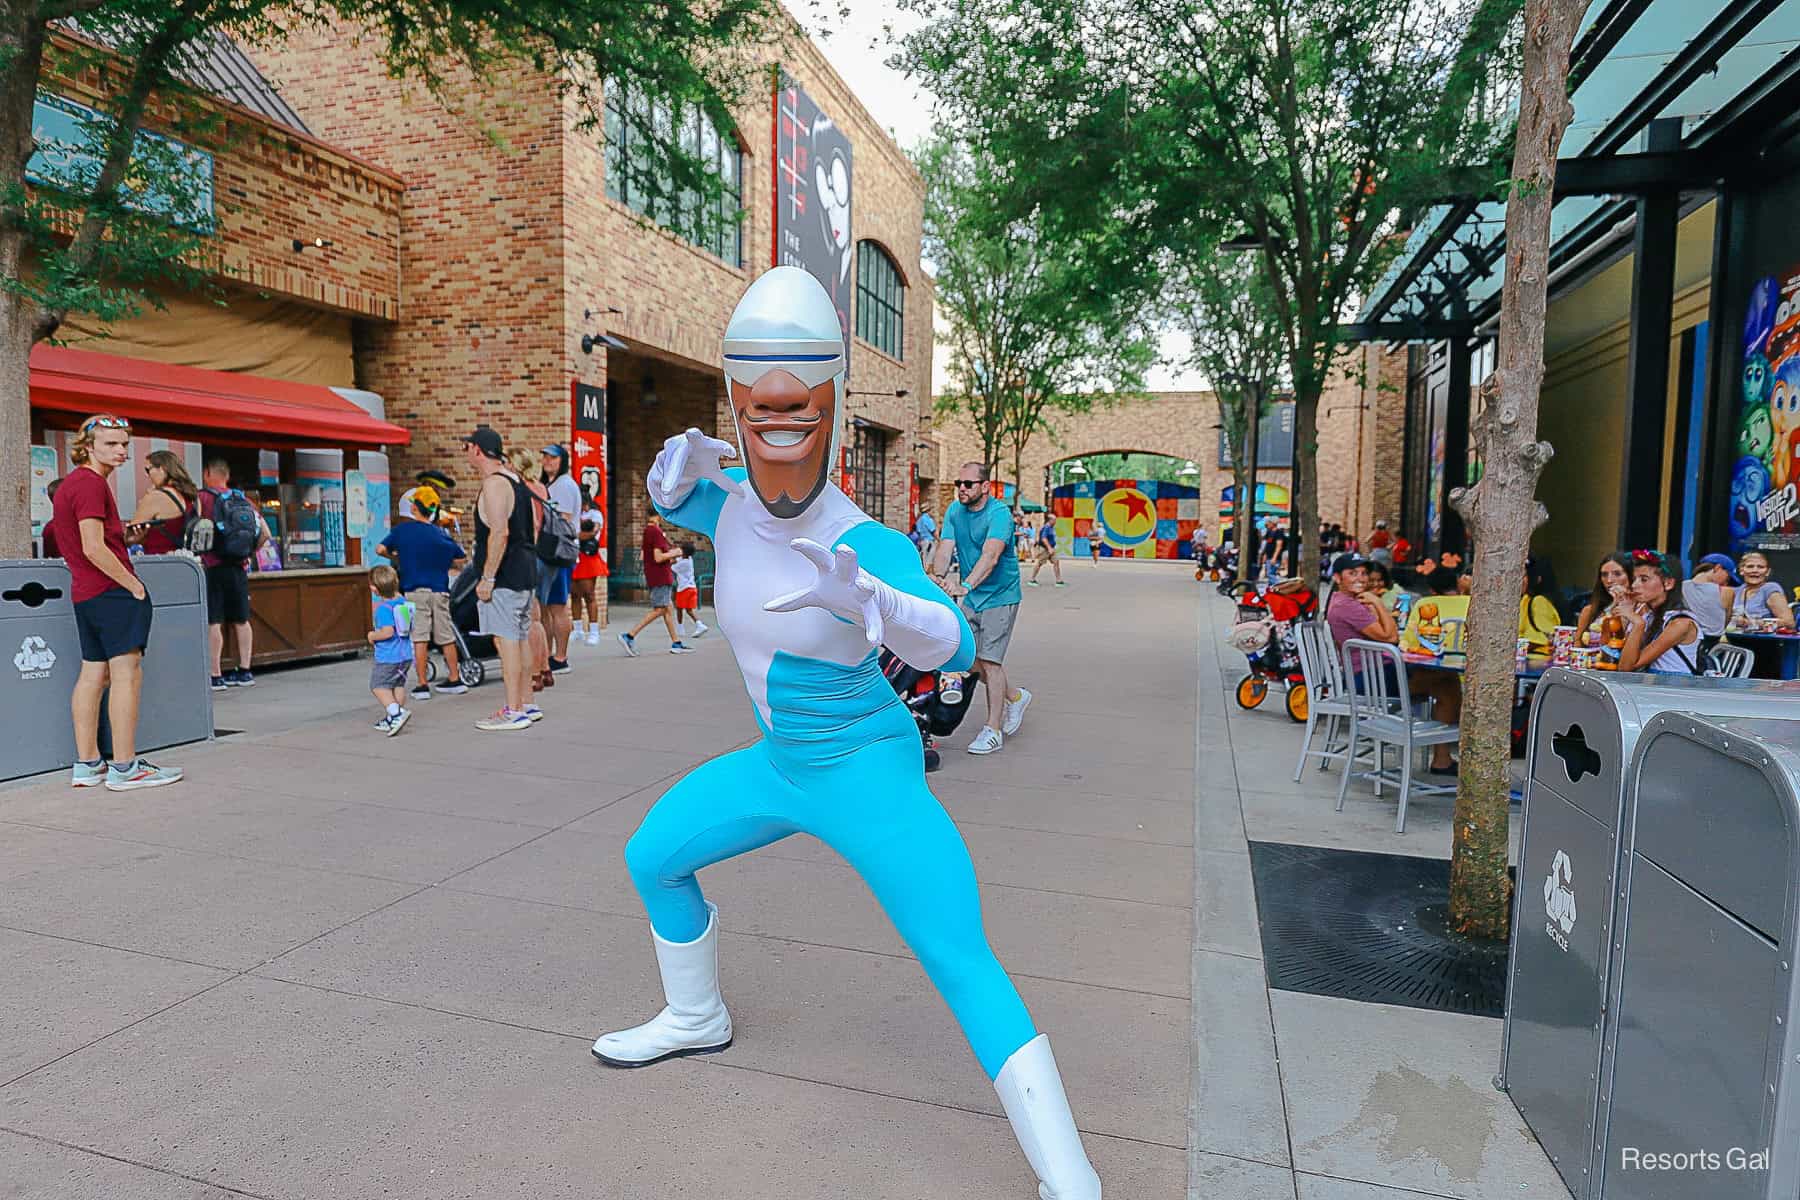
(783,437)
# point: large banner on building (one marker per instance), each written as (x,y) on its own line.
(1129,518)
(813,189)
(1765,483)
(587,448)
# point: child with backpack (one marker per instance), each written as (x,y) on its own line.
(392,639)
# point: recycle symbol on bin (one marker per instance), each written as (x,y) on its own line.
(34,655)
(1559,892)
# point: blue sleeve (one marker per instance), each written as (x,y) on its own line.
(1000,522)
(700,511)
(891,557)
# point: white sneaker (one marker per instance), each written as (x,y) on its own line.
(398,721)
(504,721)
(700,628)
(533,713)
(1013,714)
(695,1021)
(986,742)
(593,637)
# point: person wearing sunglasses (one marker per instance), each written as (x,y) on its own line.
(980,530)
(112,611)
(808,588)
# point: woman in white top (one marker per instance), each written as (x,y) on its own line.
(1660,636)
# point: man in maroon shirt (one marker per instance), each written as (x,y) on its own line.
(112,610)
(659,577)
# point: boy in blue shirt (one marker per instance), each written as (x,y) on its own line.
(392,640)
(425,554)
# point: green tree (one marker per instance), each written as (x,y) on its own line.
(90,228)
(1310,126)
(1162,467)
(1502,508)
(1224,304)
(1031,332)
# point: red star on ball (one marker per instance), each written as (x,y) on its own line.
(1135,506)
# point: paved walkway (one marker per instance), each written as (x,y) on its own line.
(336,965)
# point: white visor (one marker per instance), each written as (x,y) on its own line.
(811,362)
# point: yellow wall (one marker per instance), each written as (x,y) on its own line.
(1582,411)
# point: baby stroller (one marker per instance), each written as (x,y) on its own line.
(924,698)
(1265,633)
(463,625)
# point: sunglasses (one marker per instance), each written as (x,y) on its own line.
(969,482)
(105,423)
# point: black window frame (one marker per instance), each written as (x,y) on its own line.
(629,113)
(880,300)
(868,467)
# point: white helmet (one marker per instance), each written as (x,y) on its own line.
(786,321)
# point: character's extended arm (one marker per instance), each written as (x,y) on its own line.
(687,484)
(874,579)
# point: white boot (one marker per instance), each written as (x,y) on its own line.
(695,1021)
(1031,1091)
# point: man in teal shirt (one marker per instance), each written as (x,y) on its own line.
(980,530)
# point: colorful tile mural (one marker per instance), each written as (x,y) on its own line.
(1131,518)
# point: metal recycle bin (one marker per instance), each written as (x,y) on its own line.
(1700,1070)
(1585,726)
(40,658)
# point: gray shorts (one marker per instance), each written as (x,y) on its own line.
(388,675)
(993,629)
(662,597)
(507,615)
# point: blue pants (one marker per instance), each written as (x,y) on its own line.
(871,805)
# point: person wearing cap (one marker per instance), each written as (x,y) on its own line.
(506,554)
(808,587)
(1356,611)
(553,585)
(423,556)
(1708,596)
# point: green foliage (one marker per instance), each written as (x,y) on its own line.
(1129,466)
(1031,329)
(1223,302)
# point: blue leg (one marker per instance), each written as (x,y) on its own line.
(723,808)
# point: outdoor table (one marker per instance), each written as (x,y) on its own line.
(1534,666)
(1786,644)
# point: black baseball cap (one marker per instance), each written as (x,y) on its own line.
(1347,562)
(485,440)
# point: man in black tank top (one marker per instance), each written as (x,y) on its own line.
(506,553)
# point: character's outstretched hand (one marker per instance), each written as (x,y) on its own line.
(684,461)
(843,588)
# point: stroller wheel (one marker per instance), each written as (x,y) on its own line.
(1297,703)
(431,668)
(1252,690)
(471,671)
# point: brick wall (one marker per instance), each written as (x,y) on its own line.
(510,236)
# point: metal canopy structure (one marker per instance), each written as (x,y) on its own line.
(1727,70)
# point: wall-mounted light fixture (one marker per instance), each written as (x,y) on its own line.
(317,243)
(900,393)
(590,340)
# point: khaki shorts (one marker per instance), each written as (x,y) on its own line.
(507,615)
(431,617)
(993,629)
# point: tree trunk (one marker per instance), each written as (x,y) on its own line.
(1303,507)
(1501,509)
(16,320)
(1245,481)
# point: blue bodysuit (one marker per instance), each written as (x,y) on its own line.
(840,757)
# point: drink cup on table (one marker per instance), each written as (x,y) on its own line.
(1562,645)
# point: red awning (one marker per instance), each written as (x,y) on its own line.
(229,405)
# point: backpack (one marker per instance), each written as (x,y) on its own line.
(196,530)
(556,541)
(236,527)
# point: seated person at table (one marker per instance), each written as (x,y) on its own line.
(1433,626)
(1381,582)
(1537,611)
(1612,585)
(1354,611)
(1660,636)
(1761,597)
(1708,596)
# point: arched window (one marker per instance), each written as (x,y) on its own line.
(880,301)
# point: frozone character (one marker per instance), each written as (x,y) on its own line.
(807,586)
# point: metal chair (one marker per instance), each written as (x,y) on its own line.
(1381,717)
(1730,662)
(1327,694)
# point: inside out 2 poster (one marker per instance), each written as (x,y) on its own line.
(1765,483)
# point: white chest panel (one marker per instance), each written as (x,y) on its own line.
(755,564)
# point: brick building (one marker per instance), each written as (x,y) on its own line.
(519,243)
(1361,419)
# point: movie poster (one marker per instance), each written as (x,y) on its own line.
(587,448)
(1765,483)
(812,197)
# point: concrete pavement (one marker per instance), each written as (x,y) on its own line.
(337,965)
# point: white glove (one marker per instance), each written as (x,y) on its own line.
(843,589)
(684,461)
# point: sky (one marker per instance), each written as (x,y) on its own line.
(858,49)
